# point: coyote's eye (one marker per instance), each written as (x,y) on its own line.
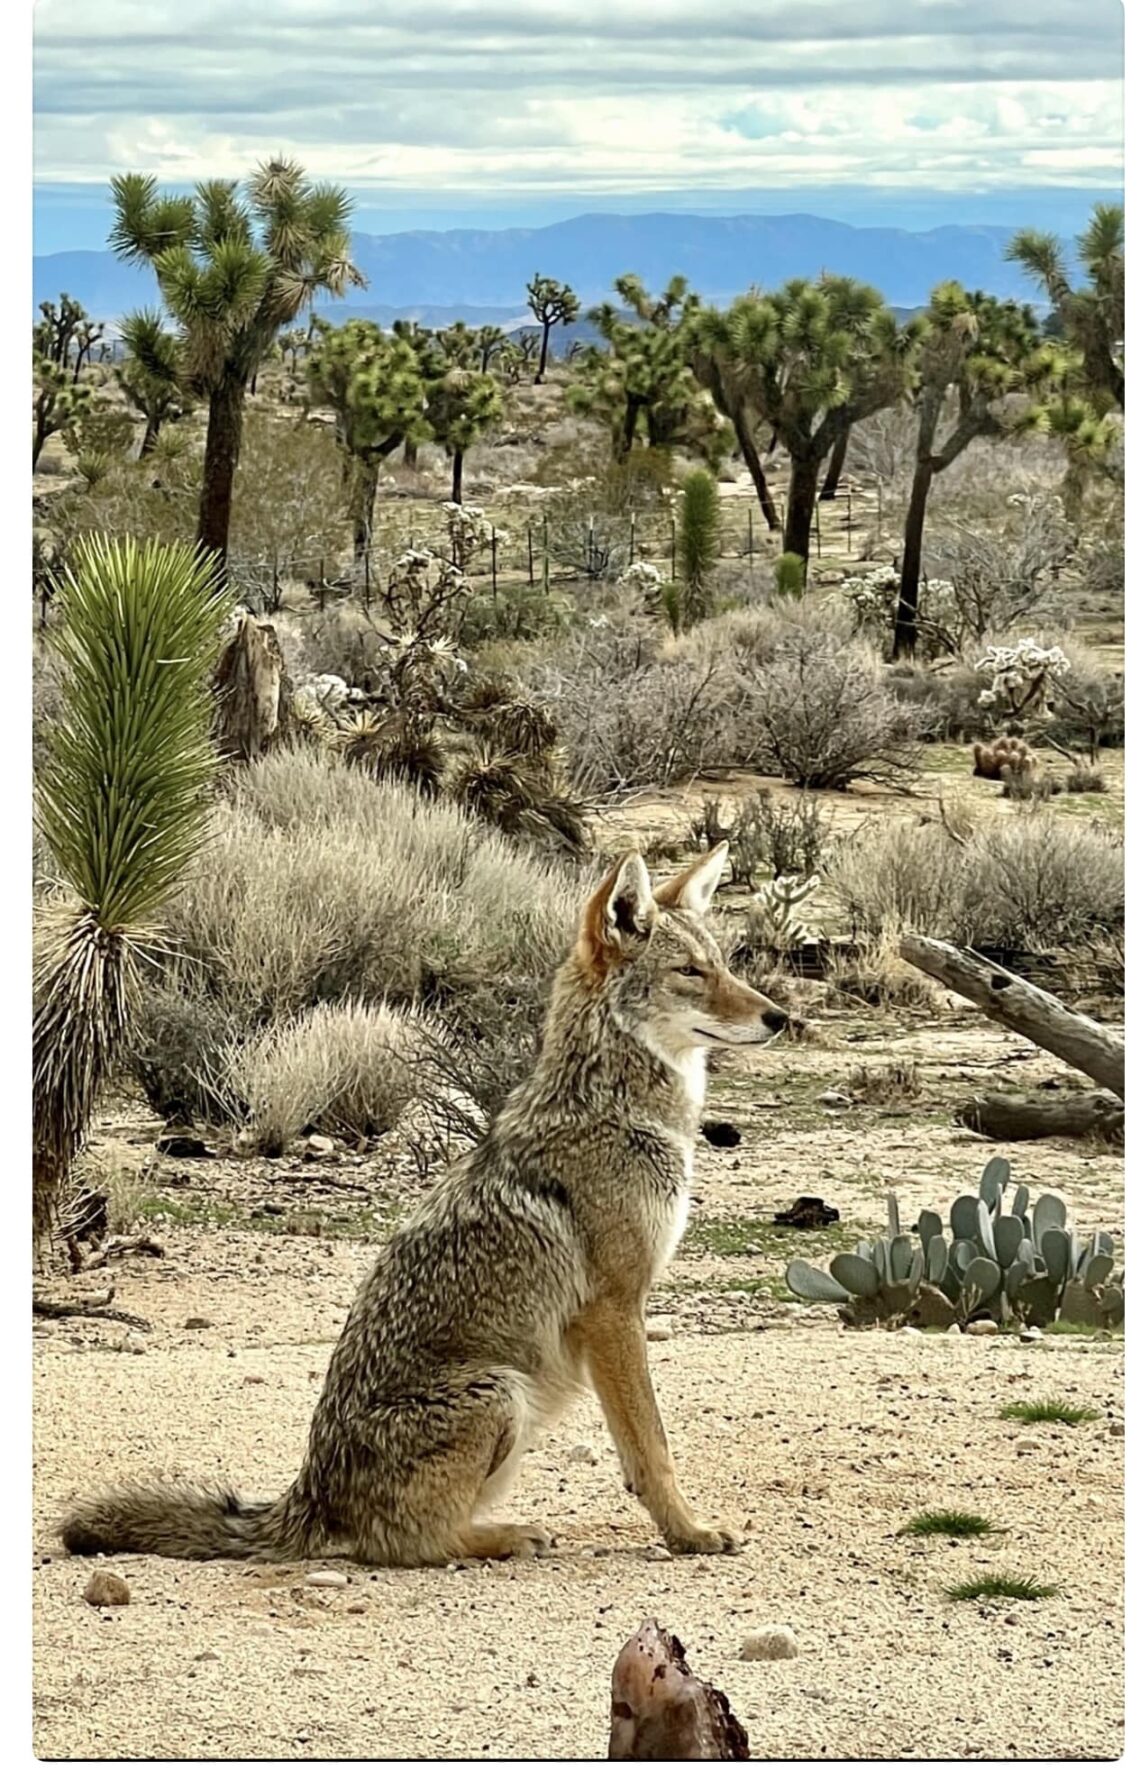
(690,970)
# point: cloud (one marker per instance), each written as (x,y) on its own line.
(599,95)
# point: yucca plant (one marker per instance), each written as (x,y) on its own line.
(122,805)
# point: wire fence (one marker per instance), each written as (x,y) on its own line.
(536,552)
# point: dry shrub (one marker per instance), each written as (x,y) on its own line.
(885,1084)
(346,1071)
(322,884)
(178,1049)
(1032,882)
(824,716)
(778,837)
(873,974)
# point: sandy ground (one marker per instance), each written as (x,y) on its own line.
(822,1443)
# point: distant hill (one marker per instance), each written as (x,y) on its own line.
(480,275)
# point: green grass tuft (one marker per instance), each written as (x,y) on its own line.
(949,1525)
(1002,1587)
(1049,1408)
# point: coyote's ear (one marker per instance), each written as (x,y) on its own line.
(620,912)
(695,887)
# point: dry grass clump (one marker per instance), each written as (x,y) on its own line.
(322,886)
(346,1071)
(1032,882)
(885,1084)
(873,974)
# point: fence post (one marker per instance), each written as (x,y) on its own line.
(367,579)
(672,547)
(545,558)
(849,519)
(276,583)
(590,552)
(633,537)
(321,586)
(529,555)
(494,563)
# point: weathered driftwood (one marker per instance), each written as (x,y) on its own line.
(89,1308)
(661,1711)
(1020,1007)
(1008,1117)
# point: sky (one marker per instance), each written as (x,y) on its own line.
(498,111)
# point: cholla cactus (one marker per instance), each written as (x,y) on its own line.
(425,595)
(1021,678)
(771,925)
(643,577)
(469,532)
(874,596)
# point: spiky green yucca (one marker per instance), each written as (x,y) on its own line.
(698,543)
(1002,1587)
(1049,1408)
(122,804)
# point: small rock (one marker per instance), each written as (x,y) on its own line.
(583,1454)
(271,1210)
(320,1148)
(983,1327)
(953,1329)
(326,1578)
(105,1588)
(1025,1446)
(657,1553)
(831,1096)
(658,1328)
(208,1655)
(197,1322)
(1116,1428)
(253,1378)
(1029,1335)
(771,1643)
(132,1342)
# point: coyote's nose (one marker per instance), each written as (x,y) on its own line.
(775,1020)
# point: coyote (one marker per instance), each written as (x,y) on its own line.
(524,1274)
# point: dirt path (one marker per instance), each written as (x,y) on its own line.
(823,1443)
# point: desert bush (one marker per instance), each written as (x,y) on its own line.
(346,1071)
(884,1084)
(873,974)
(1000,576)
(789,573)
(1032,882)
(943,697)
(323,884)
(517,613)
(778,837)
(179,1047)
(824,716)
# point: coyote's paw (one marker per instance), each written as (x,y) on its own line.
(693,1540)
(506,1541)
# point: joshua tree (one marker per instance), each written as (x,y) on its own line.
(1091,318)
(150,375)
(232,273)
(53,334)
(643,386)
(372,382)
(552,304)
(87,336)
(461,406)
(708,348)
(975,353)
(56,403)
(489,342)
(123,806)
(811,360)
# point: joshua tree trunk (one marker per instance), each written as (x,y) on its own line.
(364,486)
(411,454)
(542,355)
(906,613)
(150,436)
(457,478)
(835,466)
(746,439)
(223,445)
(801,506)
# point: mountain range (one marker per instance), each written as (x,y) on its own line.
(480,275)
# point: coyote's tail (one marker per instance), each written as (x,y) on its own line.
(189,1520)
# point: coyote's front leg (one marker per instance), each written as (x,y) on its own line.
(615,1351)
